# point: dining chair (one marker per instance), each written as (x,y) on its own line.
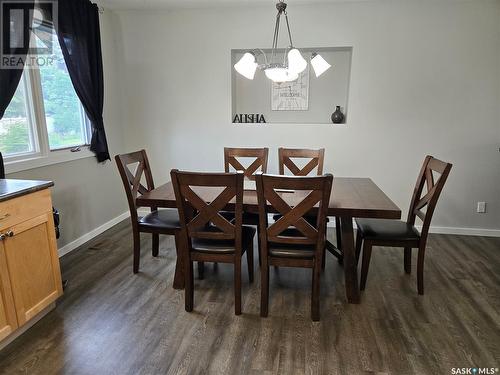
(314,163)
(233,156)
(397,233)
(209,236)
(292,240)
(233,161)
(133,167)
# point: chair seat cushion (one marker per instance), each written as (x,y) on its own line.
(286,250)
(311,219)
(203,245)
(386,229)
(161,219)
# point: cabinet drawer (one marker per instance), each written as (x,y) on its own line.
(17,210)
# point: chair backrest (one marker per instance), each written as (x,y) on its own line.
(259,155)
(285,156)
(132,178)
(2,167)
(308,192)
(200,198)
(432,176)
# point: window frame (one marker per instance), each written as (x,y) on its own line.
(42,155)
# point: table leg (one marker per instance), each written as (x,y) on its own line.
(179,267)
(350,264)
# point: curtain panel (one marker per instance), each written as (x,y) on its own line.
(79,35)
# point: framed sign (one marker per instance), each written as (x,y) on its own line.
(291,96)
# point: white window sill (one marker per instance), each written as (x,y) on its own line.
(54,157)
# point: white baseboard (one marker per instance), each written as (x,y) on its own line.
(93,233)
(451,230)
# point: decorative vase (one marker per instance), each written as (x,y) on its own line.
(337,116)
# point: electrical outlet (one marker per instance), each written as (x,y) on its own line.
(481,207)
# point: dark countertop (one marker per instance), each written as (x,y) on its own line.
(10,188)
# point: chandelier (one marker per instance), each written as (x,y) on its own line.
(280,69)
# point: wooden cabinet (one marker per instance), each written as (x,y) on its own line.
(29,263)
(8,321)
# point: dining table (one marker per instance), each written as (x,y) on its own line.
(351,197)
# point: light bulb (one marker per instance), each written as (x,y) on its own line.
(319,64)
(296,63)
(280,74)
(247,65)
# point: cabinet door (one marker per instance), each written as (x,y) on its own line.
(8,321)
(33,264)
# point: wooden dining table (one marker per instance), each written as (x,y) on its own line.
(351,197)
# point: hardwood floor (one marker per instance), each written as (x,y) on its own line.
(113,322)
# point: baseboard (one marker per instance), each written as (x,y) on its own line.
(93,233)
(452,230)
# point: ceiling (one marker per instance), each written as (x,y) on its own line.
(169,4)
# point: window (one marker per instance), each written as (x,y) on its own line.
(45,122)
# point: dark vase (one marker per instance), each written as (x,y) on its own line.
(337,116)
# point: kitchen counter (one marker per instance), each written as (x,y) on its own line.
(10,188)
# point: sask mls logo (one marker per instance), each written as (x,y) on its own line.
(474,370)
(27,32)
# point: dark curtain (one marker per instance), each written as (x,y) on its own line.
(2,168)
(80,39)
(10,77)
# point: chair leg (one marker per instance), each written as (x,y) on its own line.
(338,232)
(258,244)
(367,253)
(420,270)
(407,262)
(359,242)
(179,264)
(156,244)
(237,285)
(264,288)
(137,251)
(250,262)
(315,293)
(188,282)
(201,270)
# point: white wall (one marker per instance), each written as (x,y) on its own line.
(88,194)
(425,80)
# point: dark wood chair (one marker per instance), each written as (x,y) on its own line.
(233,156)
(232,161)
(164,221)
(397,233)
(209,236)
(314,166)
(292,240)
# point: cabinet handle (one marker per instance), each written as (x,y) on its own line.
(2,236)
(9,233)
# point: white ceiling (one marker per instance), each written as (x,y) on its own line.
(168,4)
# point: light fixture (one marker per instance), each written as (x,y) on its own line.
(319,64)
(247,65)
(277,69)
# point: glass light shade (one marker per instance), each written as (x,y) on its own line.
(296,63)
(319,64)
(246,66)
(280,75)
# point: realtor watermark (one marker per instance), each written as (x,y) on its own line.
(474,370)
(27,33)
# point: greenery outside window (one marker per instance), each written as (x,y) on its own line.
(45,122)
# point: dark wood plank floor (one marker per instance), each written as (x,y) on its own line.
(113,322)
